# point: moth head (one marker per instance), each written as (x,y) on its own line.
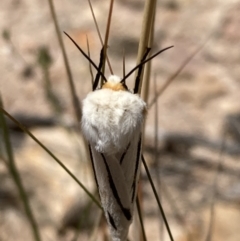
(114,83)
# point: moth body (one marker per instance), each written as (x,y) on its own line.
(112,119)
(112,116)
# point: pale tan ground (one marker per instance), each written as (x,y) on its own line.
(195,106)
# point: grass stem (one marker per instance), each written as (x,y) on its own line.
(12,168)
(157,198)
(75,101)
(24,129)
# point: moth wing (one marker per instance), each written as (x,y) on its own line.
(114,193)
(130,165)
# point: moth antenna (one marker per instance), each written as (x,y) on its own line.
(99,35)
(140,69)
(86,56)
(144,62)
(90,66)
(96,81)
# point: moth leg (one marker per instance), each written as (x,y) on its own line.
(96,81)
(140,69)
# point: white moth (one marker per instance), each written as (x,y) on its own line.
(112,120)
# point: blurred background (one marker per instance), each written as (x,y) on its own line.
(195,162)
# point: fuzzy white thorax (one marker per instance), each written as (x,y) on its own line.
(112,118)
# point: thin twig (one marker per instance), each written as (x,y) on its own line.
(214,191)
(90,66)
(107,36)
(149,9)
(176,73)
(124,69)
(75,101)
(157,198)
(99,34)
(141,220)
(51,154)
(17,179)
(147,73)
(157,159)
(172,203)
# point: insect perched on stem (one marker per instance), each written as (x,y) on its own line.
(112,121)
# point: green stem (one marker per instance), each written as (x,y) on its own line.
(17,179)
(52,155)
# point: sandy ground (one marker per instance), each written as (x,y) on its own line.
(194,113)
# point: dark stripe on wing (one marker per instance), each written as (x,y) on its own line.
(111,221)
(125,211)
(136,169)
(124,154)
(94,171)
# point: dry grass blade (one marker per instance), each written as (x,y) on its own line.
(157,160)
(173,204)
(99,34)
(45,61)
(157,199)
(141,220)
(214,191)
(13,171)
(149,11)
(107,36)
(74,97)
(124,69)
(24,129)
(90,66)
(176,73)
(147,74)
